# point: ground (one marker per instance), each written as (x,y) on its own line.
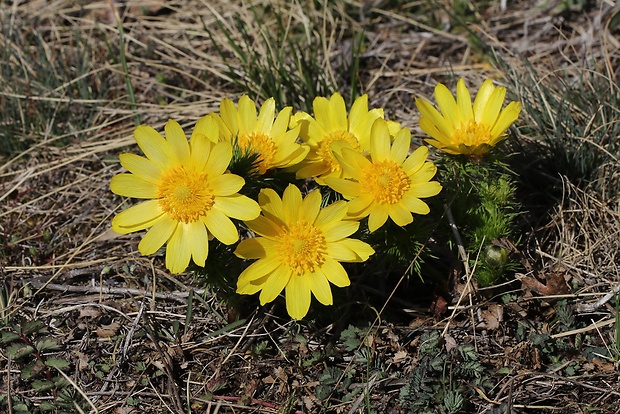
(90,325)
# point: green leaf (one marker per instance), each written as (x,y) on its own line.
(45,406)
(17,351)
(56,363)
(48,344)
(30,327)
(32,370)
(43,385)
(8,337)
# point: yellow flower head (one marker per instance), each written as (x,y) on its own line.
(390,183)
(330,130)
(299,249)
(465,129)
(271,139)
(190,195)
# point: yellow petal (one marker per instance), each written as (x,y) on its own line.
(219,158)
(379,141)
(358,207)
(347,188)
(271,204)
(178,251)
(341,251)
(157,235)
(179,147)
(358,112)
(463,100)
(506,118)
(291,203)
(207,127)
(338,113)
(198,241)
(415,205)
(237,206)
(310,206)
(319,286)
(275,284)
(255,248)
(265,227)
(415,161)
(361,249)
(378,215)
(482,97)
(226,184)
(141,167)
(297,297)
(265,117)
(431,129)
(424,174)
(281,124)
(400,146)
(331,215)
(493,107)
(340,230)
(138,217)
(399,214)
(257,270)
(425,189)
(130,185)
(335,273)
(230,118)
(220,226)
(322,114)
(428,111)
(247,114)
(447,104)
(154,146)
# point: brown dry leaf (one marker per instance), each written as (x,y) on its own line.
(492,316)
(555,284)
(106,331)
(450,343)
(439,306)
(400,356)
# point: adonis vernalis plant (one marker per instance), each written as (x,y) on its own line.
(190,195)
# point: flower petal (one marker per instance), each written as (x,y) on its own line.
(220,226)
(377,217)
(346,187)
(141,167)
(297,297)
(230,118)
(198,241)
(335,273)
(178,251)
(415,161)
(506,118)
(399,214)
(291,203)
(362,250)
(340,230)
(154,146)
(447,104)
(429,112)
(482,97)
(400,146)
(310,206)
(247,115)
(257,270)
(271,204)
(179,147)
(138,217)
(379,141)
(266,115)
(425,189)
(463,101)
(130,185)
(265,227)
(319,285)
(330,215)
(219,159)
(255,248)
(493,107)
(237,206)
(226,184)
(275,284)
(158,235)
(415,205)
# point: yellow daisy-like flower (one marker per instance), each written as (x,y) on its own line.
(271,139)
(190,196)
(465,129)
(390,183)
(330,130)
(299,249)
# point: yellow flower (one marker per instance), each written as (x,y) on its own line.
(271,139)
(391,183)
(190,196)
(465,129)
(299,250)
(330,130)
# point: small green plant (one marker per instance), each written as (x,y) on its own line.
(29,346)
(442,381)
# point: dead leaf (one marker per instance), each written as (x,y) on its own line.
(555,284)
(400,356)
(492,316)
(439,306)
(89,312)
(107,331)
(450,343)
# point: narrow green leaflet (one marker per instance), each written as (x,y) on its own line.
(56,363)
(8,337)
(17,351)
(32,370)
(48,344)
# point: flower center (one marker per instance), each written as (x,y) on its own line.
(385,181)
(326,148)
(472,134)
(184,194)
(302,247)
(260,144)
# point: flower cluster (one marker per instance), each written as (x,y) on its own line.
(191,195)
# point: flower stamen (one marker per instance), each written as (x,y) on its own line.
(260,144)
(302,247)
(184,194)
(325,150)
(385,181)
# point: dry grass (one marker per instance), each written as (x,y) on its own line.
(137,341)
